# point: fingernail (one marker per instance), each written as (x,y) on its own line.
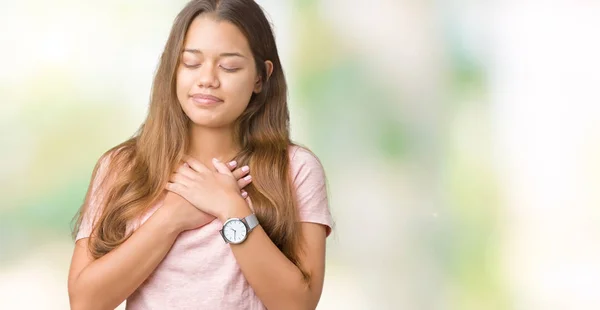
(248,178)
(215,160)
(233,163)
(245,168)
(186,164)
(244,194)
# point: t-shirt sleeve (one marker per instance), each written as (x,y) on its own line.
(311,189)
(93,201)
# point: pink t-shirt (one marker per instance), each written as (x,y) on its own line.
(200,271)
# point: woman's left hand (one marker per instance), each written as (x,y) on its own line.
(213,192)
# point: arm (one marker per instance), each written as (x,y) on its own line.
(263,264)
(106,282)
(276,280)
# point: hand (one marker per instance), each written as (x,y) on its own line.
(188,217)
(213,192)
(242,176)
(183,214)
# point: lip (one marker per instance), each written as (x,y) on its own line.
(205,100)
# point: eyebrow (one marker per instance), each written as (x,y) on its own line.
(230,54)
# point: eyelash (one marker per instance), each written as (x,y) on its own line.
(230,70)
(225,69)
(191,66)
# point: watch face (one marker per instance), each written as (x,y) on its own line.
(235,231)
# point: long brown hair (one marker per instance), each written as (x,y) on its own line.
(140,167)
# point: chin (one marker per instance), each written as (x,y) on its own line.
(210,121)
(207,122)
(211,118)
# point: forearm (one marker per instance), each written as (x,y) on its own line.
(275,279)
(109,280)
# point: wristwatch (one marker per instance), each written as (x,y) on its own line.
(235,230)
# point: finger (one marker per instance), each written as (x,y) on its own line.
(221,167)
(195,164)
(244,194)
(181,179)
(187,171)
(239,173)
(232,164)
(176,188)
(243,182)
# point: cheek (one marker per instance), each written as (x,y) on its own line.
(238,89)
(183,84)
(238,86)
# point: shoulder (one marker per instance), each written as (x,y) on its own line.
(305,165)
(301,156)
(117,158)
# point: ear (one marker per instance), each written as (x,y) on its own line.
(259,82)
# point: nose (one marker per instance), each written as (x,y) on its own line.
(207,76)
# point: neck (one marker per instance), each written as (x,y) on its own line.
(208,143)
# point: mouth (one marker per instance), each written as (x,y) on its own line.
(205,100)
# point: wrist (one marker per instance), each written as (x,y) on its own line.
(167,222)
(238,208)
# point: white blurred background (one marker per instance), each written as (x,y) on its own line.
(461,140)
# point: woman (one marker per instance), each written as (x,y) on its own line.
(165,224)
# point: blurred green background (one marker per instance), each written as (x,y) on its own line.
(461,141)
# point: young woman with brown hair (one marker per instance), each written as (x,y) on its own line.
(166,224)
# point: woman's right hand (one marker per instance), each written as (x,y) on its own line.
(183,214)
(186,216)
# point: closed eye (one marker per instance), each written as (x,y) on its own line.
(191,66)
(226,69)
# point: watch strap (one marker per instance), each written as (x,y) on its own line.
(252,221)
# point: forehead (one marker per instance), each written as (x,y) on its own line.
(212,36)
